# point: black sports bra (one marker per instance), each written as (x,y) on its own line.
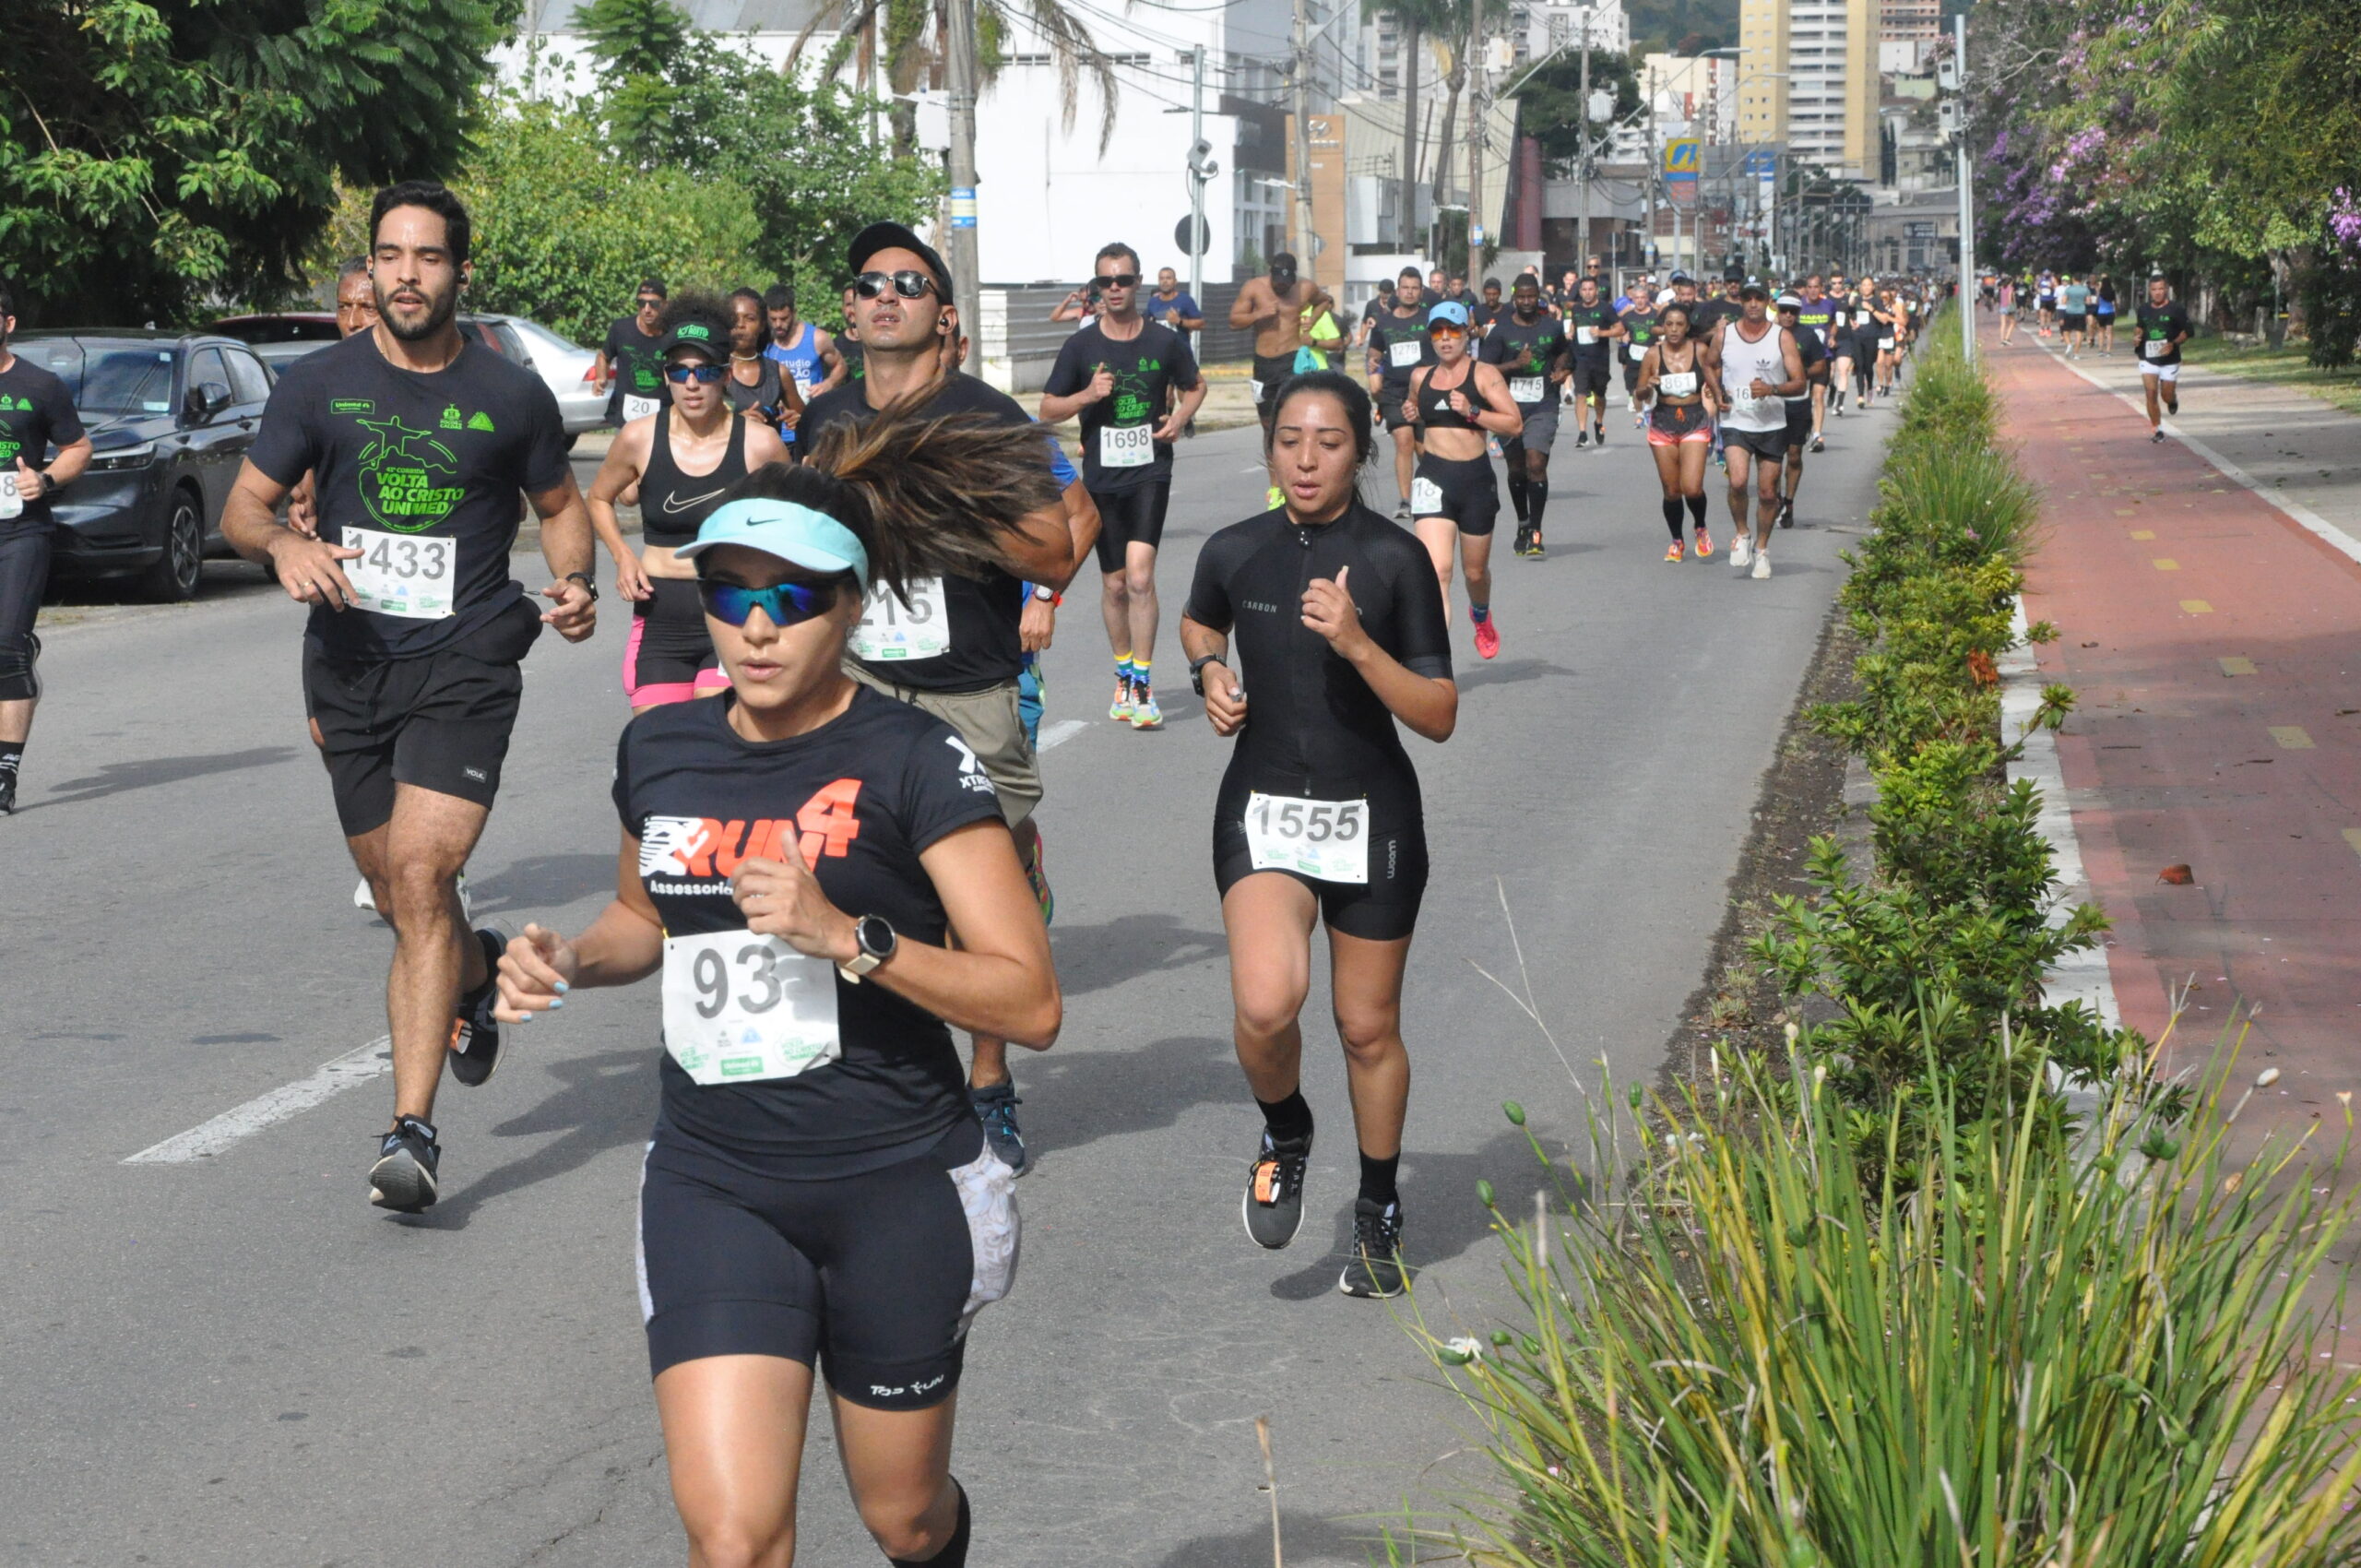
(1664,367)
(673,504)
(1434,402)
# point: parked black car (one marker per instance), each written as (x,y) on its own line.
(170,415)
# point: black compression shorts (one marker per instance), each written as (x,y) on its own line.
(1798,421)
(873,1278)
(24,577)
(668,655)
(1385,909)
(440,721)
(1467,492)
(1390,399)
(1129,516)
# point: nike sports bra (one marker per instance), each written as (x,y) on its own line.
(672,504)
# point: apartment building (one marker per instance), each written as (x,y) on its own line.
(1808,78)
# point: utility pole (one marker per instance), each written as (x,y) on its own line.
(1478,118)
(967,287)
(1197,175)
(1301,45)
(1582,222)
(1966,191)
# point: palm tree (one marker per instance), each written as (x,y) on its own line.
(910,36)
(1456,25)
(1413,19)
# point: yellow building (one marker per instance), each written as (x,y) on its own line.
(1808,80)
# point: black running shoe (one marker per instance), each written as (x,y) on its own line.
(1818,444)
(1786,513)
(1376,1270)
(1534,548)
(8,793)
(1582,439)
(475,1033)
(996,1109)
(403,1178)
(1599,437)
(1273,1206)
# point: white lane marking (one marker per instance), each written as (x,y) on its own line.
(2305,518)
(2079,977)
(331,1079)
(1065,729)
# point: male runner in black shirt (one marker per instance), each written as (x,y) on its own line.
(420,443)
(1593,331)
(632,359)
(36,413)
(1397,347)
(2163,328)
(1529,345)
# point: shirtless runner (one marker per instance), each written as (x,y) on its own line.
(1274,308)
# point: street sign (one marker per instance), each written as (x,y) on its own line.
(1763,163)
(1204,236)
(963,207)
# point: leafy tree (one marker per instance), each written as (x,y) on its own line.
(157,154)
(910,39)
(1554,113)
(642,51)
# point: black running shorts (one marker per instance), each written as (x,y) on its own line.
(872,1279)
(1129,516)
(1467,492)
(24,577)
(440,721)
(1798,421)
(1770,446)
(1385,909)
(1271,373)
(1590,379)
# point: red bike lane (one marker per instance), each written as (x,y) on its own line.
(2212,643)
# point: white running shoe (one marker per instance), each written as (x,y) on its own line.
(1762,565)
(1740,549)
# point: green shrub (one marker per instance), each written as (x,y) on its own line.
(1754,1352)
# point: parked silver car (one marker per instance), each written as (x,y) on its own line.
(284,337)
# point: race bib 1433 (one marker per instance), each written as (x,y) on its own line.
(404,575)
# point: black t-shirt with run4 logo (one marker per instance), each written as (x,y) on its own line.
(36,413)
(1117,452)
(419,473)
(956,634)
(860,798)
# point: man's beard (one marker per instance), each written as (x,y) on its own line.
(440,309)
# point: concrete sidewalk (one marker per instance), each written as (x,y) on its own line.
(2211,639)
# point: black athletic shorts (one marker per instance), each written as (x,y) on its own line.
(872,1279)
(24,577)
(1390,399)
(1130,516)
(1383,909)
(1465,492)
(440,721)
(1591,378)
(667,654)
(2076,321)
(1770,446)
(1798,421)
(1271,373)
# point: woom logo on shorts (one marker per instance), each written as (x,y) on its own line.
(707,849)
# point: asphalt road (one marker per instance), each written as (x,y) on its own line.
(238,1361)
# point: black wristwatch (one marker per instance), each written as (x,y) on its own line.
(873,934)
(1197,672)
(587,585)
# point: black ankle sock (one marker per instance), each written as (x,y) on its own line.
(1697,511)
(1288,1120)
(1377,1179)
(954,1550)
(1537,497)
(11,754)
(1672,517)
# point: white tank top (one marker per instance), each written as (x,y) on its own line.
(1742,364)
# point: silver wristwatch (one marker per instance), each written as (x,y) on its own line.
(874,936)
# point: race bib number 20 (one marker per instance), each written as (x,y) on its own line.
(405,575)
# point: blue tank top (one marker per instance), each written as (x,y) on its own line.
(802,358)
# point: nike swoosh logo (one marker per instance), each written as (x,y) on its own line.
(692,501)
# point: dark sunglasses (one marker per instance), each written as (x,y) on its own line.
(1117,280)
(787,604)
(704,375)
(910,285)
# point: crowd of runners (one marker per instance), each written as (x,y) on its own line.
(2078,312)
(850,552)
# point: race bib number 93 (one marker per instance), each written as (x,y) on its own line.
(740,1008)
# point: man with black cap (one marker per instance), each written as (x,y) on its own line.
(954,647)
(1803,408)
(1273,308)
(1760,368)
(631,361)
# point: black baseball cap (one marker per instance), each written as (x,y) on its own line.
(897,237)
(697,334)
